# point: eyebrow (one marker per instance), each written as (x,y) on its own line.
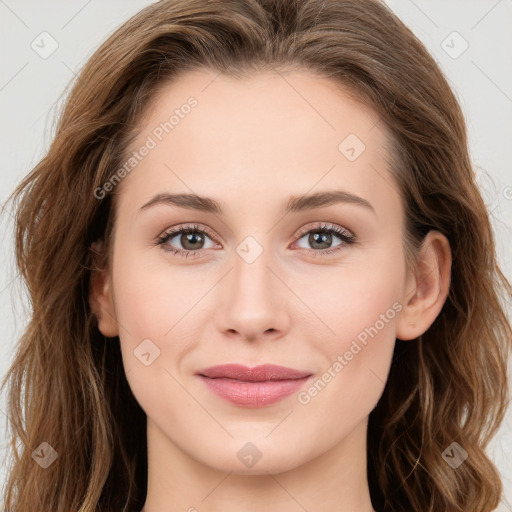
(295,203)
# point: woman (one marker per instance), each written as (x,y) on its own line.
(191,346)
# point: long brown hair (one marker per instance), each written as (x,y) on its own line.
(67,385)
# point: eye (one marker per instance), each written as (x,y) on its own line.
(191,239)
(320,238)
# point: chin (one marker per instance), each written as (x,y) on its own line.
(252,458)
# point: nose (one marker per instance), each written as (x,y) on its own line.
(253,301)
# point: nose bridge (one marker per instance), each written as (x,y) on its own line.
(252,301)
(251,276)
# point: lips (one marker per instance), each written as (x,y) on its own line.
(257,374)
(253,387)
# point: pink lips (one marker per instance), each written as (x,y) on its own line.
(253,387)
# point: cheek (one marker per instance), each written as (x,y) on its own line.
(151,299)
(155,331)
(356,297)
(358,317)
(158,308)
(362,301)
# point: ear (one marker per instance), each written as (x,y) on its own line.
(100,297)
(427,287)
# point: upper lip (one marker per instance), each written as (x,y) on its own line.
(256,374)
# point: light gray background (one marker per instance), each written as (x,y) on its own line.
(32,87)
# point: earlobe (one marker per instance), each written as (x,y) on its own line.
(430,286)
(101,302)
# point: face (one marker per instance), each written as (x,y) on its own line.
(263,275)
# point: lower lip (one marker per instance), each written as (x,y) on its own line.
(253,394)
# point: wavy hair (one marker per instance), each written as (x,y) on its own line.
(66,382)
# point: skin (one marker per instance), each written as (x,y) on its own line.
(251,144)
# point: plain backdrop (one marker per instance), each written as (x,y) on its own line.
(44,44)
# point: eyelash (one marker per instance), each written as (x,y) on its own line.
(343,234)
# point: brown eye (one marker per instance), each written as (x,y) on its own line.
(185,241)
(320,239)
(192,240)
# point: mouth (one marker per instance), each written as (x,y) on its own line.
(253,387)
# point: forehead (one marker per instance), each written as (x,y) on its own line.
(272,131)
(306,95)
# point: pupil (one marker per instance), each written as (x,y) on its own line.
(324,239)
(190,238)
